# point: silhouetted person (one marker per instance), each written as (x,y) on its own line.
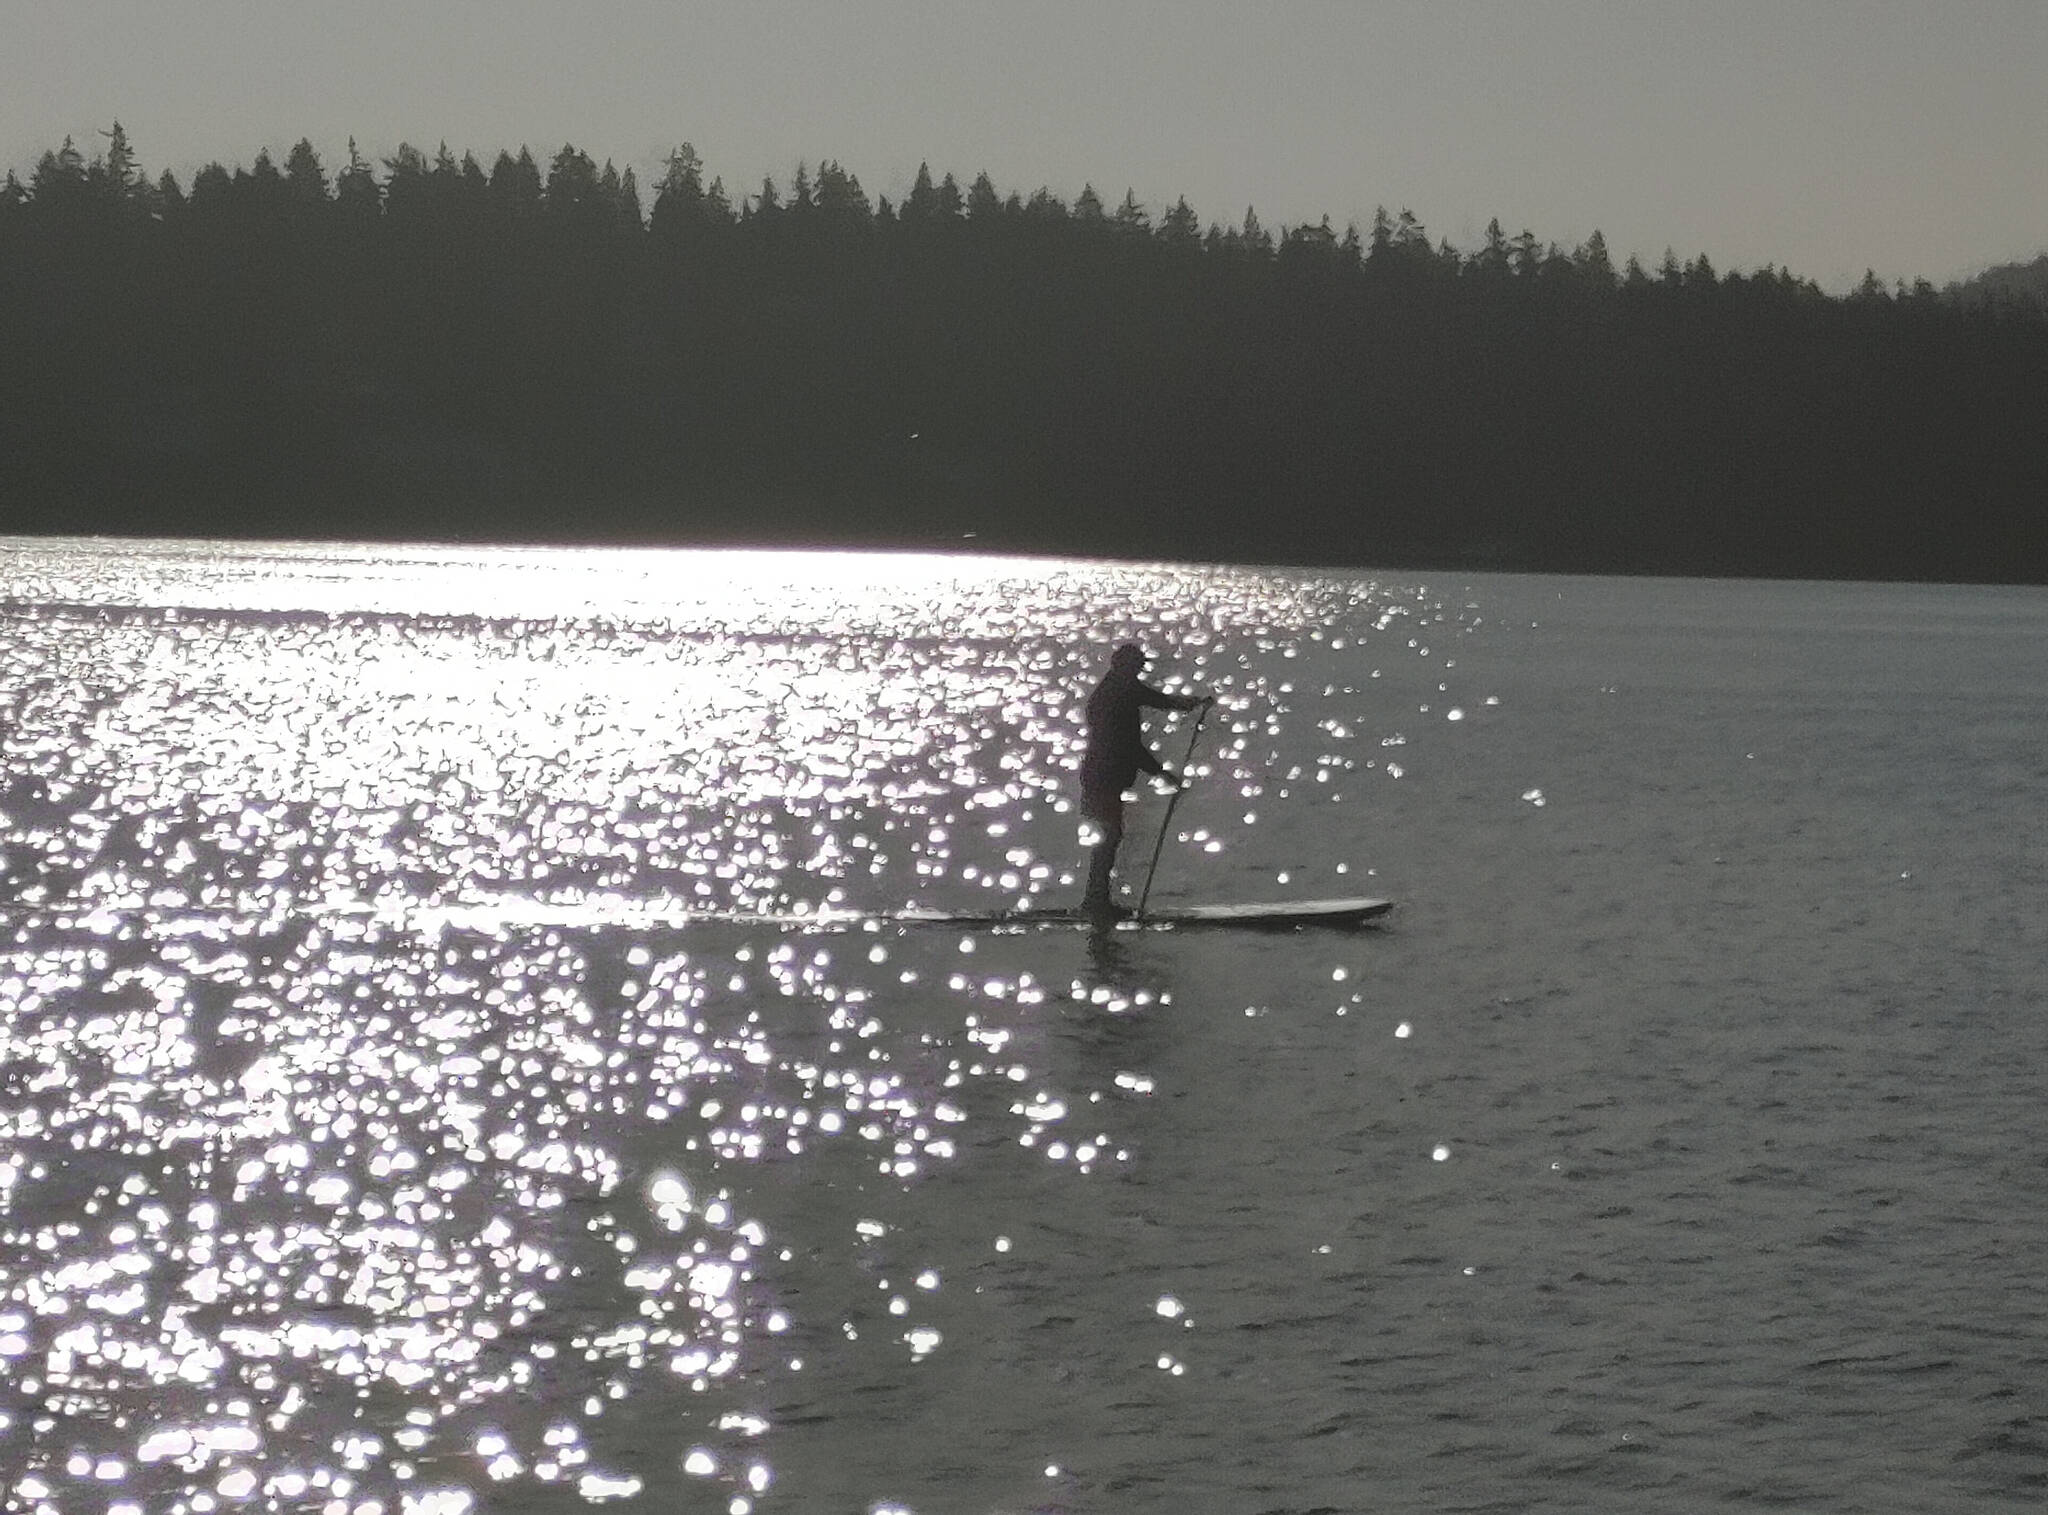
(1115,756)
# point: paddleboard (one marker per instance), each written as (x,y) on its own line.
(1273,915)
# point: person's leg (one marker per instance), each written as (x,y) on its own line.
(1101,869)
(1107,812)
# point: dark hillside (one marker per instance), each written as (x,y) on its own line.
(433,349)
(2014,286)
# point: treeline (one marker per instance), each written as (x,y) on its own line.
(426,347)
(2018,288)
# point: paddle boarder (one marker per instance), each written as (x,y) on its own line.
(1115,756)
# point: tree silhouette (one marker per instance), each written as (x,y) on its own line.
(421,347)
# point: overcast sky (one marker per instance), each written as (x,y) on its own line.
(1826,135)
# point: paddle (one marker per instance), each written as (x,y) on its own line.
(1201,715)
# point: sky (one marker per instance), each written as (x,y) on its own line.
(1827,136)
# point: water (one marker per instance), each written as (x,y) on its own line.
(374,1137)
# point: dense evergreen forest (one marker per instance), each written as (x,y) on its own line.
(2018,287)
(429,348)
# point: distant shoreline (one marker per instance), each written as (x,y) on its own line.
(445,353)
(966,548)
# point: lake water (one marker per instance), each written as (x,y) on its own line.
(377,1133)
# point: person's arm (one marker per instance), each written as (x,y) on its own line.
(1159,699)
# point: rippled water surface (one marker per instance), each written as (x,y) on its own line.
(399,1110)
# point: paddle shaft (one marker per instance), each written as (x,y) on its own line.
(1201,715)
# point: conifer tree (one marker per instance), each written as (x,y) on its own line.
(571,192)
(1493,259)
(117,171)
(515,187)
(983,203)
(1411,241)
(922,203)
(679,197)
(1178,227)
(1380,248)
(1256,241)
(839,195)
(212,189)
(628,201)
(1525,254)
(356,194)
(58,184)
(1594,262)
(1045,206)
(303,176)
(406,188)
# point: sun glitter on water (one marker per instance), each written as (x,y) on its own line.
(373,1134)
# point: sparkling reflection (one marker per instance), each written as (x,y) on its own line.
(407,1062)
